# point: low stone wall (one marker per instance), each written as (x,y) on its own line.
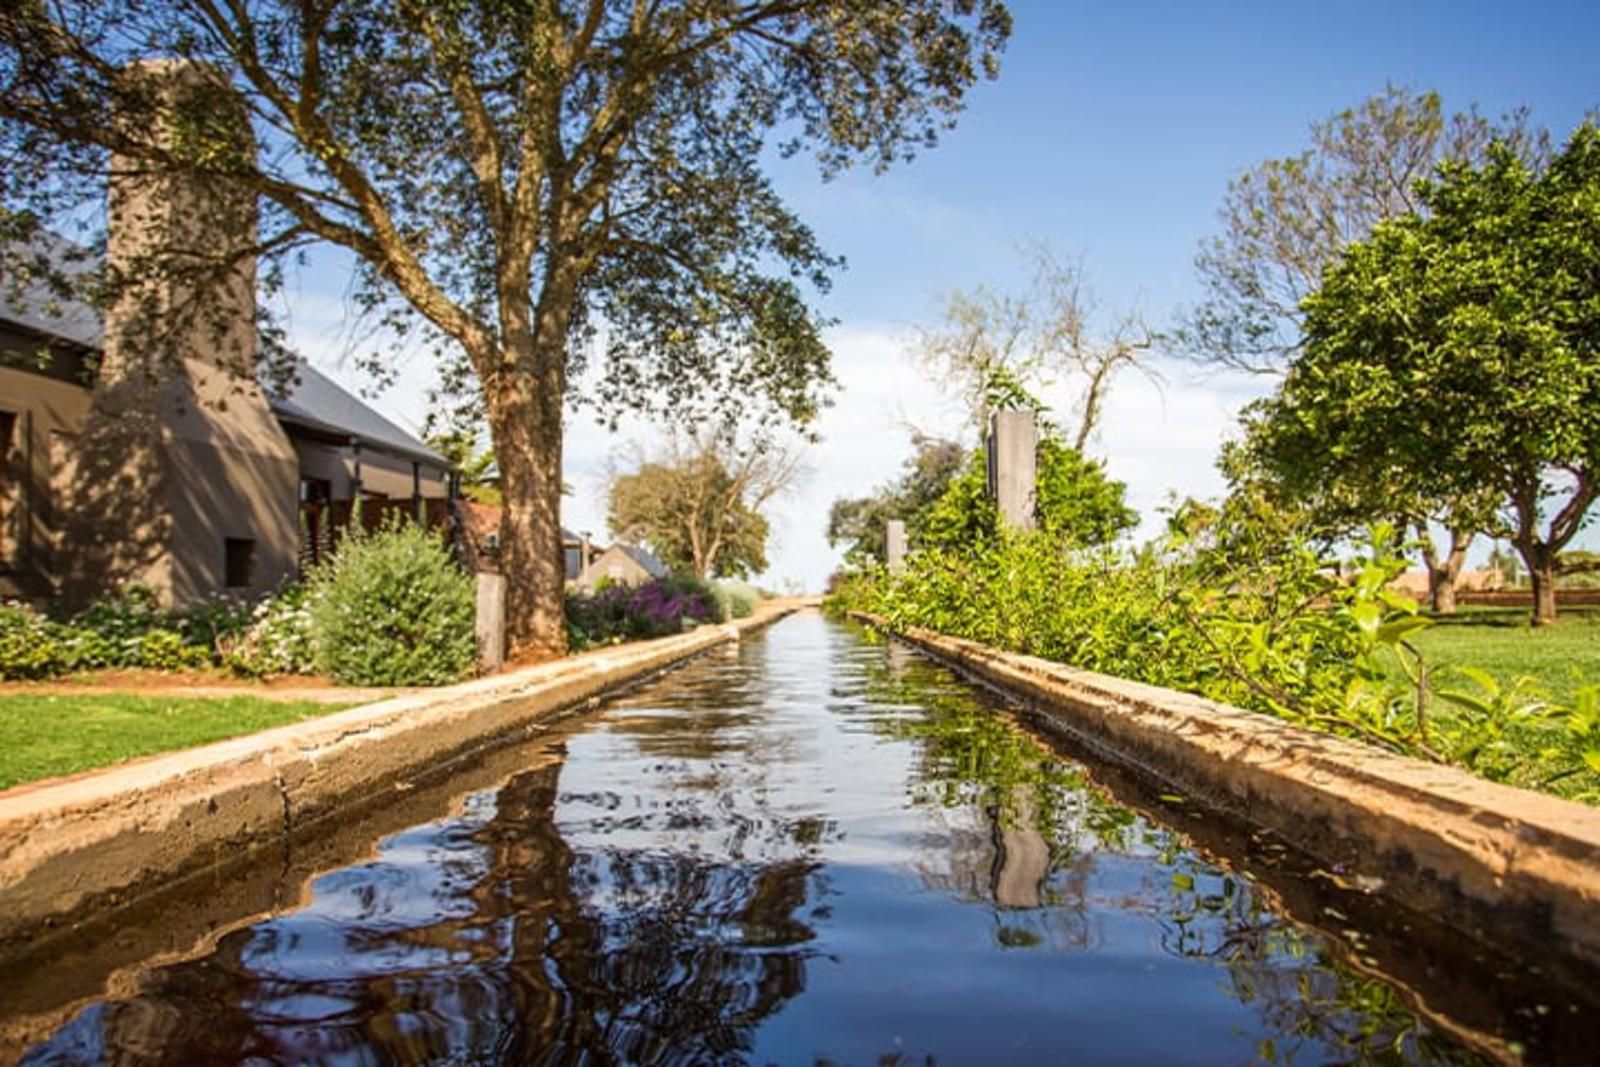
(72,849)
(1512,868)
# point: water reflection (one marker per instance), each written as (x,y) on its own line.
(816,850)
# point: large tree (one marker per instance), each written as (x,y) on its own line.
(1461,350)
(698,502)
(518,178)
(1286,221)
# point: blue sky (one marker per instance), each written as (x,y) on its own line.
(1111,135)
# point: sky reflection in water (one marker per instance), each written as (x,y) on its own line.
(816,849)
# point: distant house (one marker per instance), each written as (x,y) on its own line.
(246,481)
(480,540)
(622,565)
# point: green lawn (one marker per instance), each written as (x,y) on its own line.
(1500,641)
(43,735)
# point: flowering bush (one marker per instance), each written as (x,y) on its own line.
(279,638)
(128,628)
(625,613)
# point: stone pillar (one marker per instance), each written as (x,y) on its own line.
(894,539)
(491,622)
(1013,467)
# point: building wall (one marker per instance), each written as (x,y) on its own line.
(232,475)
(49,413)
(383,473)
(614,565)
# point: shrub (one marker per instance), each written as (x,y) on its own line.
(30,644)
(736,600)
(167,650)
(216,623)
(626,613)
(279,639)
(393,608)
(1261,623)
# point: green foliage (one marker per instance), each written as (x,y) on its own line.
(126,629)
(30,645)
(657,608)
(736,600)
(280,638)
(392,608)
(861,522)
(475,466)
(1075,503)
(1454,354)
(1287,220)
(698,502)
(1249,619)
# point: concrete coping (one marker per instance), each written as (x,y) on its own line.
(1508,866)
(73,849)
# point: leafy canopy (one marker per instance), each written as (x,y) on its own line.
(699,503)
(1463,348)
(510,175)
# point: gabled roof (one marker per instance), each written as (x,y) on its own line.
(646,559)
(43,311)
(311,399)
(315,401)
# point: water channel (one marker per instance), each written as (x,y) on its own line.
(818,848)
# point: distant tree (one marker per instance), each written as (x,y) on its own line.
(860,523)
(1283,458)
(1044,337)
(1464,348)
(698,503)
(516,179)
(1286,221)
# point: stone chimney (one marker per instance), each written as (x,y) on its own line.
(183,480)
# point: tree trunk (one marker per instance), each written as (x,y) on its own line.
(1540,560)
(525,419)
(1442,574)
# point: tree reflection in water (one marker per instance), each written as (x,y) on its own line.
(1051,844)
(489,939)
(809,848)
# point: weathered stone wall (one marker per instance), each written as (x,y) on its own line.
(1512,868)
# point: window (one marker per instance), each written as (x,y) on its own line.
(239,560)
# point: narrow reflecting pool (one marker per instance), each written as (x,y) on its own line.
(818,849)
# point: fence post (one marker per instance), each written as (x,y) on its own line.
(894,539)
(491,622)
(1014,443)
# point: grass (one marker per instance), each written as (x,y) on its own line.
(44,735)
(1500,641)
(1556,659)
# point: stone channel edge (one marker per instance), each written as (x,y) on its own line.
(76,848)
(1512,868)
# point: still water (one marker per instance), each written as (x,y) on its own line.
(818,849)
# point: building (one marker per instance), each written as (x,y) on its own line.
(247,481)
(479,540)
(622,565)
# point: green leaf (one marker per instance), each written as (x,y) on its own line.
(1395,631)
